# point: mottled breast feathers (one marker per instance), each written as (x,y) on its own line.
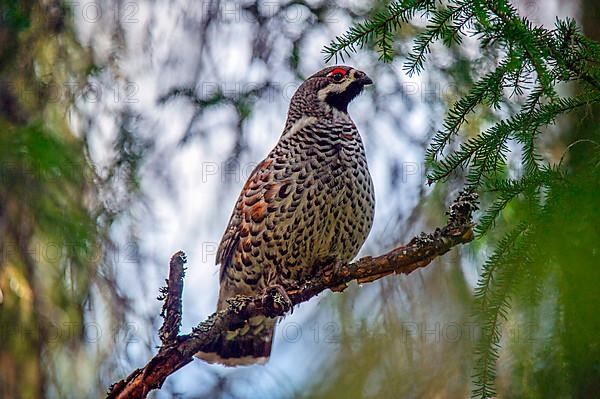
(309,202)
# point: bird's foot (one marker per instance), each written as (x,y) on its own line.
(331,270)
(276,301)
(332,267)
(289,284)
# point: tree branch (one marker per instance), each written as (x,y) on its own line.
(178,350)
(171,294)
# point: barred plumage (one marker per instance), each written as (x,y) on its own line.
(309,202)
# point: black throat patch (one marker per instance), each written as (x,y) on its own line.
(341,100)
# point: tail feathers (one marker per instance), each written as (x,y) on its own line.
(248,345)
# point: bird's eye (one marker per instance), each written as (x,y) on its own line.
(337,75)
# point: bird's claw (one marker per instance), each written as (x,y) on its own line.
(276,300)
(289,284)
(332,267)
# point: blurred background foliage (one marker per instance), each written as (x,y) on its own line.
(53,224)
(125,131)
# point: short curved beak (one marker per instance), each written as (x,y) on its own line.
(363,78)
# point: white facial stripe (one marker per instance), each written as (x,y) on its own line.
(301,124)
(335,88)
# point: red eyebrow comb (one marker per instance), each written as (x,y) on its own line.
(338,70)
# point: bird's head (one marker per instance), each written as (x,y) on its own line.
(331,87)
